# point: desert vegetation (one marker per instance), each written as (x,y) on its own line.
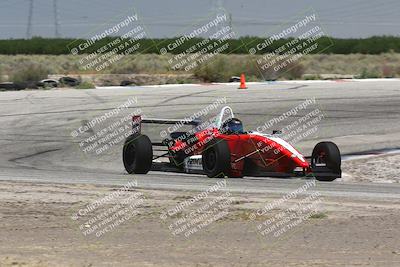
(45,46)
(218,69)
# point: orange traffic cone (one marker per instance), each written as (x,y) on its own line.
(242,82)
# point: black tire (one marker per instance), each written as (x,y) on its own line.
(127,83)
(47,84)
(69,81)
(216,159)
(137,154)
(328,153)
(13,86)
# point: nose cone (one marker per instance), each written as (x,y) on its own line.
(300,161)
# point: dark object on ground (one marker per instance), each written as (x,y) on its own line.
(234,79)
(127,83)
(47,83)
(12,86)
(69,81)
(30,85)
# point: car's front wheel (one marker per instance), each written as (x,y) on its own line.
(326,155)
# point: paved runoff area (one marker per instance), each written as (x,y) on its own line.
(50,170)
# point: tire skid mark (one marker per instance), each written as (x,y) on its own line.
(370,154)
(34,154)
(183,96)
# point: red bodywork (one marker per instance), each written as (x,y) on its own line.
(265,153)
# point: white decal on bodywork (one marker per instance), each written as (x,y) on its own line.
(283,143)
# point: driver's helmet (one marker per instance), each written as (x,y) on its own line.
(232,126)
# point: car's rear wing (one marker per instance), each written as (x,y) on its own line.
(138,120)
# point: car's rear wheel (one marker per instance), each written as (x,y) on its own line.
(326,155)
(216,159)
(137,154)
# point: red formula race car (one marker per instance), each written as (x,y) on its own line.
(222,148)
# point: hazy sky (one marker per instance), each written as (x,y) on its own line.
(163,18)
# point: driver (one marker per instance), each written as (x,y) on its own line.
(233,126)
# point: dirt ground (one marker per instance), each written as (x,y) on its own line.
(376,169)
(43,225)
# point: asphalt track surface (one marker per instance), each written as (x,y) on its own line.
(36,143)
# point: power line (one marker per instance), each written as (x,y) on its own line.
(29,27)
(56,21)
(218,10)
